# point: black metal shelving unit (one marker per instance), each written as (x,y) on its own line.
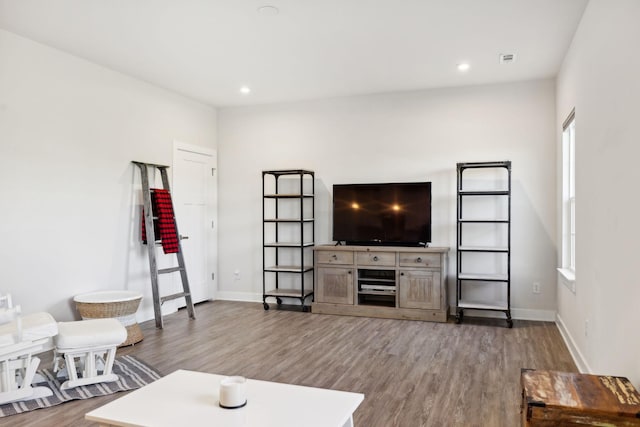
(288,235)
(466,280)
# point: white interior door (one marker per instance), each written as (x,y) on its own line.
(195,202)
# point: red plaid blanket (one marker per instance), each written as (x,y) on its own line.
(164,226)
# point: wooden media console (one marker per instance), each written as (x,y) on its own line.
(382,281)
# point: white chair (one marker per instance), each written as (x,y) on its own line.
(84,350)
(22,336)
(87,350)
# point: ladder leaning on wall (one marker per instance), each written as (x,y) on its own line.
(149,216)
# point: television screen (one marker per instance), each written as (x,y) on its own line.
(393,214)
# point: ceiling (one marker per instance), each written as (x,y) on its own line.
(208,49)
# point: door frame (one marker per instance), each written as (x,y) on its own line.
(211,247)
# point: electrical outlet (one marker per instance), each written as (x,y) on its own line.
(536,287)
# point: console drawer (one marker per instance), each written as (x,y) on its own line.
(419,259)
(334,257)
(387,259)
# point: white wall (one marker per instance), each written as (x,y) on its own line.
(600,78)
(68,132)
(412,136)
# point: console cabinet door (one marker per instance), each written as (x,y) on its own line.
(419,289)
(335,285)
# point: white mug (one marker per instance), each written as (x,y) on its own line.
(233,392)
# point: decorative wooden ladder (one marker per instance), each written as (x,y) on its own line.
(151,246)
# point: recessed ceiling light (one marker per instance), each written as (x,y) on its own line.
(268,10)
(245,90)
(463,66)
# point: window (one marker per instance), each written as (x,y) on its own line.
(569,197)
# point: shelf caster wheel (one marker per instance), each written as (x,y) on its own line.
(509,323)
(279,301)
(459,318)
(265,305)
(305,309)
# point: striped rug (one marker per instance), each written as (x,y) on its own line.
(133,374)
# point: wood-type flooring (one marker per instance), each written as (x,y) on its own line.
(412,373)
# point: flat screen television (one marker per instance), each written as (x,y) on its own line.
(394,214)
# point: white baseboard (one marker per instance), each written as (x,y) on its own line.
(239,296)
(516,313)
(576,354)
(250,297)
(532,314)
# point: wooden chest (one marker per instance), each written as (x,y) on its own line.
(552,399)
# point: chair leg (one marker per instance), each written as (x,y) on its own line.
(89,365)
(6,382)
(108,364)
(13,391)
(70,360)
(30,372)
(56,361)
(90,375)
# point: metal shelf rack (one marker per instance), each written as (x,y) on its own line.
(501,253)
(288,234)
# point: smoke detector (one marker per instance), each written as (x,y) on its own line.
(507,58)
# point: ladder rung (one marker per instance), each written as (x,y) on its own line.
(169,270)
(150,164)
(173,296)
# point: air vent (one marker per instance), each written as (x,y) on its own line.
(507,58)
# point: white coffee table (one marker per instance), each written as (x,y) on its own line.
(191,398)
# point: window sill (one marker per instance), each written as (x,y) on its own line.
(568,278)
